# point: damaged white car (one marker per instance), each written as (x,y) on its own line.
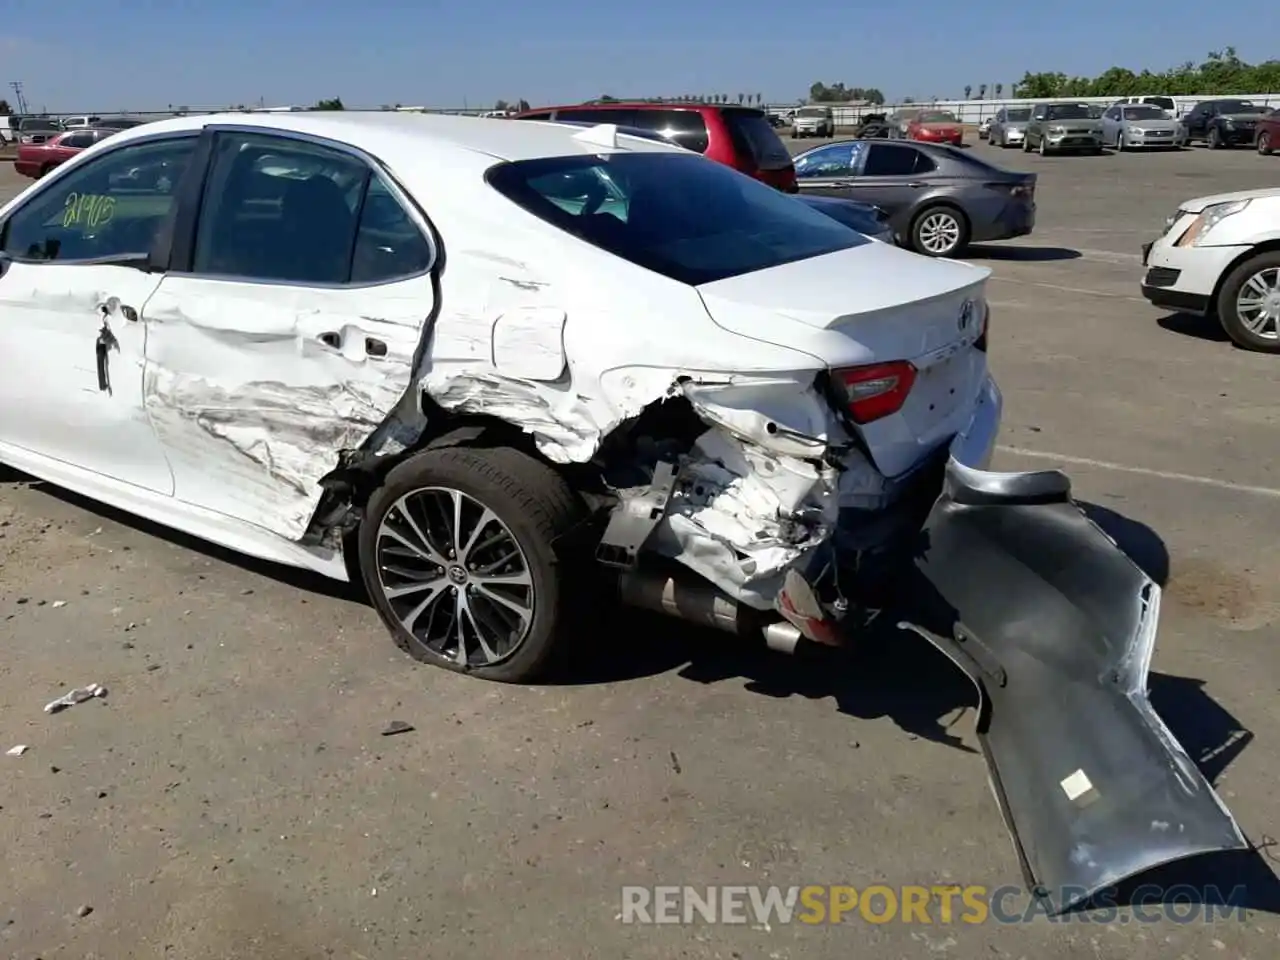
(472,361)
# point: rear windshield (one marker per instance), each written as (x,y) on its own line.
(675,214)
(38,125)
(1020,115)
(811,112)
(753,136)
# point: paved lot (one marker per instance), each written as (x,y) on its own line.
(232,796)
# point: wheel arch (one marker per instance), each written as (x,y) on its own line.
(1266,246)
(933,203)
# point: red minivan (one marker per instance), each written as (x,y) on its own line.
(741,137)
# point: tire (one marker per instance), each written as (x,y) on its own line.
(1214,141)
(1026,144)
(1120,144)
(530,502)
(928,218)
(45,171)
(1264,143)
(1227,307)
(1044,147)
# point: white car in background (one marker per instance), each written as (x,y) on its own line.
(492,368)
(1219,256)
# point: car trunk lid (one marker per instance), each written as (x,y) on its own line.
(930,314)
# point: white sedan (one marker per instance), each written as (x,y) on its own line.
(487,367)
(1219,256)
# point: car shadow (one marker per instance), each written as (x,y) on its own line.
(1189,325)
(352,592)
(1022,254)
(1139,542)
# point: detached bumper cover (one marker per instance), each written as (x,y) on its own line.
(1055,625)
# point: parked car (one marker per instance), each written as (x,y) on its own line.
(83,120)
(1219,256)
(119,123)
(1222,123)
(939,199)
(37,129)
(614,387)
(740,137)
(866,218)
(1138,126)
(813,122)
(1009,126)
(1167,104)
(1267,138)
(984,128)
(1059,127)
(874,127)
(936,126)
(37,159)
(901,119)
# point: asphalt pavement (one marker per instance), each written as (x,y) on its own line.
(232,795)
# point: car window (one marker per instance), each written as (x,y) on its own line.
(685,127)
(1068,111)
(110,207)
(675,214)
(544,115)
(754,139)
(1020,115)
(833,161)
(389,244)
(624,118)
(279,210)
(885,160)
(84,139)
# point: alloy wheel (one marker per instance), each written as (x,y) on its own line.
(455,576)
(1258,304)
(939,232)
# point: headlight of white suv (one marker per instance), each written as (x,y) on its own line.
(1209,218)
(1057,130)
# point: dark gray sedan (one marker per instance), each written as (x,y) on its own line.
(866,218)
(938,198)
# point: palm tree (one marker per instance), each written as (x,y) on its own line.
(967,90)
(999,90)
(982,92)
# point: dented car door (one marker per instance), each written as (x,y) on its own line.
(74,285)
(287,330)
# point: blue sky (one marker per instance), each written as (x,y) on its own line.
(109,55)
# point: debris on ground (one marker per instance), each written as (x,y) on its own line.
(58,603)
(17,751)
(84,911)
(72,697)
(394,727)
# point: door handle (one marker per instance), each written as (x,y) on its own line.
(112,304)
(916,184)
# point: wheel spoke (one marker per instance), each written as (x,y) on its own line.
(424,547)
(405,589)
(411,618)
(521,611)
(486,518)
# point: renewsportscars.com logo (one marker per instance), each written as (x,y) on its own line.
(918,904)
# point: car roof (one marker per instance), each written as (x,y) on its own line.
(643,105)
(399,138)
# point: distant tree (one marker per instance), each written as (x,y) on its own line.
(1221,73)
(911,99)
(982,91)
(501,106)
(605,98)
(999,90)
(5,110)
(872,95)
(523,105)
(759,99)
(333,104)
(967,91)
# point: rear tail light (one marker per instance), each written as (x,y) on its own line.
(981,342)
(1015,189)
(876,391)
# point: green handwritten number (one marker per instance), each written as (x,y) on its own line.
(88,210)
(70,210)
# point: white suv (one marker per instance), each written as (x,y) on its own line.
(1220,256)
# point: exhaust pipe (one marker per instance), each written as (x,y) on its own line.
(704,605)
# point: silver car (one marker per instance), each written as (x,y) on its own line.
(1058,127)
(1009,126)
(1127,126)
(813,122)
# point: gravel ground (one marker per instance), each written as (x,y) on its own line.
(232,796)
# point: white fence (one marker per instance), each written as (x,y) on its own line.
(975,111)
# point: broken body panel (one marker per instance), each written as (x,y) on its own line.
(1055,625)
